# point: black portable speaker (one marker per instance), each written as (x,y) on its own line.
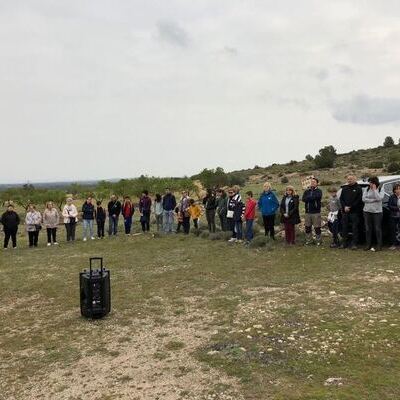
(95,290)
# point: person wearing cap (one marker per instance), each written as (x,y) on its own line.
(10,221)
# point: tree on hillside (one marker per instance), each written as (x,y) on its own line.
(309,157)
(326,157)
(389,142)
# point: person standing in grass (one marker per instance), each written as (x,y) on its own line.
(145,210)
(222,208)
(114,209)
(127,211)
(10,221)
(249,215)
(88,215)
(333,216)
(268,204)
(184,210)
(33,222)
(235,214)
(312,198)
(394,207)
(373,213)
(51,219)
(158,211)
(194,212)
(70,214)
(169,204)
(290,215)
(210,205)
(100,219)
(351,207)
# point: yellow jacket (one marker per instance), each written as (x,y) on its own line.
(195,211)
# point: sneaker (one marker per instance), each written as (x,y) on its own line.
(84,239)
(15,248)
(93,238)
(392,248)
(239,241)
(48,244)
(232,240)
(373,249)
(55,243)
(354,247)
(5,248)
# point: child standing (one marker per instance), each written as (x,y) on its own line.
(179,219)
(249,215)
(333,216)
(195,213)
(100,219)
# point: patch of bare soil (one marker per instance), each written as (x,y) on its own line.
(143,360)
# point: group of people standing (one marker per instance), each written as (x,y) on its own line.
(345,208)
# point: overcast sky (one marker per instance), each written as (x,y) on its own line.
(118,88)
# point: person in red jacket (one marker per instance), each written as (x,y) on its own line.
(127,212)
(249,215)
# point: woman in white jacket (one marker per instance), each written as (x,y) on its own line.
(51,218)
(373,213)
(33,225)
(70,214)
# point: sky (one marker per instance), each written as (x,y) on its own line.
(119,88)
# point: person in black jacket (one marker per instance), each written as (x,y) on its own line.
(394,207)
(169,204)
(290,215)
(10,221)
(312,197)
(100,219)
(114,210)
(88,214)
(210,205)
(351,204)
(235,214)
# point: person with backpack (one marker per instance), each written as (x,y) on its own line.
(312,198)
(70,214)
(114,210)
(268,205)
(88,215)
(10,221)
(210,206)
(373,213)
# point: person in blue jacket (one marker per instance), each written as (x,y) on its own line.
(312,197)
(268,205)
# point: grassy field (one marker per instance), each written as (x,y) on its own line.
(199,319)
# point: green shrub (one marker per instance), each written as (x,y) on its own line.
(375,164)
(326,183)
(216,236)
(205,235)
(394,156)
(258,241)
(393,167)
(389,142)
(284,180)
(326,157)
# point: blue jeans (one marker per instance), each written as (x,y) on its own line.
(87,225)
(128,225)
(239,229)
(168,220)
(112,225)
(249,229)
